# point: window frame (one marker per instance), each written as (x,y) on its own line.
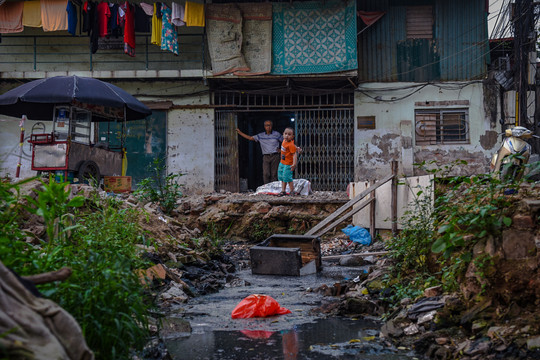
(438,134)
(419,22)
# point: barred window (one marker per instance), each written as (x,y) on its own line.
(439,126)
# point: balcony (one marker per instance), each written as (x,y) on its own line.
(35,54)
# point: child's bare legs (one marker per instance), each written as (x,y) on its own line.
(283,186)
(291,187)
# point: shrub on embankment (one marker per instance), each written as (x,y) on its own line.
(98,242)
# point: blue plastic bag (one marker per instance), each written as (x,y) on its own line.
(357,234)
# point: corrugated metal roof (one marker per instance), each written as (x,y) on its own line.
(458,51)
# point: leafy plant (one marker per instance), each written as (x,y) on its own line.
(435,245)
(12,243)
(479,212)
(103,293)
(160,189)
(259,231)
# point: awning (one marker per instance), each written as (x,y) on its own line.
(369,17)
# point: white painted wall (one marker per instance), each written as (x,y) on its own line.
(190,149)
(190,130)
(9,147)
(393,105)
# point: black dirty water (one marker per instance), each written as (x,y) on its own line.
(332,338)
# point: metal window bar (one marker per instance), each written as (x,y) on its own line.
(252,101)
(327,140)
(441,127)
(66,52)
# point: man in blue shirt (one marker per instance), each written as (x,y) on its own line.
(270,142)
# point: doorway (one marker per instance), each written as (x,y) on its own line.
(249,152)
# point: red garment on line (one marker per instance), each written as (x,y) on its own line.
(104,14)
(129,27)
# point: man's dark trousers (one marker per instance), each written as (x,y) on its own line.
(270,167)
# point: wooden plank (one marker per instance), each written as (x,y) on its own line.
(394,197)
(348,205)
(372,215)
(337,257)
(348,215)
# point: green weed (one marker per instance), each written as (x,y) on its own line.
(435,245)
(160,189)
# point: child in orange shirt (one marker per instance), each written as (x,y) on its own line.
(288,162)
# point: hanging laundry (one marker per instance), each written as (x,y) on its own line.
(53,15)
(142,20)
(72,18)
(32,14)
(148,9)
(11,15)
(178,14)
(129,28)
(90,24)
(157,25)
(194,14)
(103,15)
(113,22)
(169,35)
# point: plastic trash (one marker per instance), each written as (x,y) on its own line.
(256,305)
(357,234)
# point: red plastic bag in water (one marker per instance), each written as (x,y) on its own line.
(258,306)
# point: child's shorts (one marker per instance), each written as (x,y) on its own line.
(284,173)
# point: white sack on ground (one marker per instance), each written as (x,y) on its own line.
(301,186)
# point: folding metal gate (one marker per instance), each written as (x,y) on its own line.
(226,152)
(324,126)
(327,140)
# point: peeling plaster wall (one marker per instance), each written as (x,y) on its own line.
(190,139)
(190,130)
(393,106)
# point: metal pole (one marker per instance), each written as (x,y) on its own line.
(21,142)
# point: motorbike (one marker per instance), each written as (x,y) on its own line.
(510,160)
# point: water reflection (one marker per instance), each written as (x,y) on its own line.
(326,338)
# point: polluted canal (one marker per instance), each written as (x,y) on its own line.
(204,329)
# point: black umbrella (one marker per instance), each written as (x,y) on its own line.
(37,98)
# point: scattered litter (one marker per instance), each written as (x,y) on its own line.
(357,234)
(256,305)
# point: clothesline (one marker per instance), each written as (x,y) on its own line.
(104,19)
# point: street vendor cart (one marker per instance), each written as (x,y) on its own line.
(75,105)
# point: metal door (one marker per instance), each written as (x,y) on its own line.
(327,140)
(145,141)
(226,171)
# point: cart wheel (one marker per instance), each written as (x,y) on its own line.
(89,173)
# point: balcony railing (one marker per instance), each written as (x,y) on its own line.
(19,53)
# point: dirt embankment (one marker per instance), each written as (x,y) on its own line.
(495,314)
